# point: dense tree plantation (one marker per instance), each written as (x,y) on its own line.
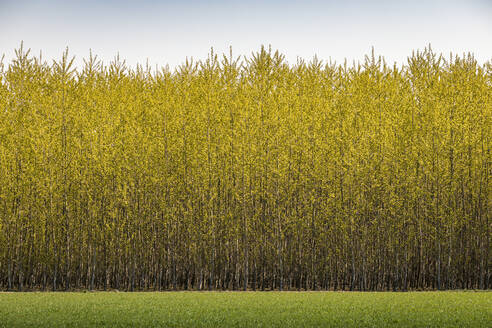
(246,173)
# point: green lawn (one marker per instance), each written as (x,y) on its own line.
(246,309)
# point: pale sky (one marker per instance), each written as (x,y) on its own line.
(166,32)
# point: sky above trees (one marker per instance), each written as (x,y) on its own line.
(166,32)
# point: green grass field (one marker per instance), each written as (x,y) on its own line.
(246,309)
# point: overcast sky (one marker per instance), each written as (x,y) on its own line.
(166,32)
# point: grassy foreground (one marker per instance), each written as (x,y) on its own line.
(246,309)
